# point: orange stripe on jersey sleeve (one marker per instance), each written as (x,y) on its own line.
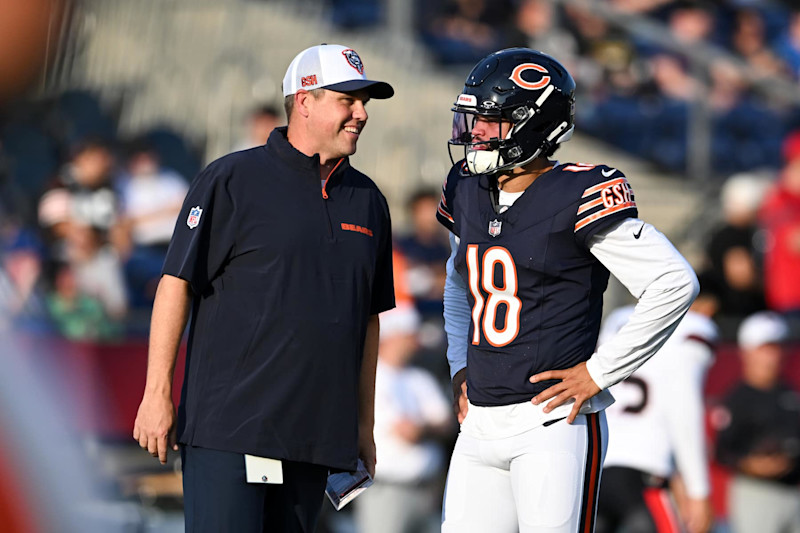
(444,213)
(604,213)
(589,205)
(601,186)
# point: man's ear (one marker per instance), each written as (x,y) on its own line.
(301,102)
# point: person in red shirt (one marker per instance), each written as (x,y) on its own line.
(780,218)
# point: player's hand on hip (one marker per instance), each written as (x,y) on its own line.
(576,383)
(460,400)
(154,427)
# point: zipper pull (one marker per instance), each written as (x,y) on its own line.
(324,185)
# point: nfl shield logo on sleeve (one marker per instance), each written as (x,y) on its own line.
(494,227)
(194,217)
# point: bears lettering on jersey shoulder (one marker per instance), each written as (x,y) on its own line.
(608,193)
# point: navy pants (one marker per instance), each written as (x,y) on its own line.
(218,499)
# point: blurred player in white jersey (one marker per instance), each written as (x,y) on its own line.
(657,424)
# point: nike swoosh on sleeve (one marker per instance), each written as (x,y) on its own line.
(608,173)
(638,233)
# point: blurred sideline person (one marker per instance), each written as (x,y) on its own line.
(284,255)
(151,201)
(536,240)
(258,125)
(780,219)
(412,418)
(426,250)
(734,251)
(79,214)
(758,433)
(658,426)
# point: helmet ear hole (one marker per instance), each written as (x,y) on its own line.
(519,113)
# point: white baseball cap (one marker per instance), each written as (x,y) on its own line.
(334,67)
(762,328)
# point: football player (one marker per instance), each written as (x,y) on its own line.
(533,243)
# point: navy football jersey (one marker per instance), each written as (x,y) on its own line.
(535,290)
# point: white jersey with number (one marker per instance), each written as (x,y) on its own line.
(656,423)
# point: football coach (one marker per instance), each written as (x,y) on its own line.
(281,256)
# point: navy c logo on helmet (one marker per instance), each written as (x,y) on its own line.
(516,76)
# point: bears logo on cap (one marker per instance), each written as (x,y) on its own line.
(354,60)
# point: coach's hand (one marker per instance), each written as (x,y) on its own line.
(575,383)
(460,403)
(155,426)
(366,451)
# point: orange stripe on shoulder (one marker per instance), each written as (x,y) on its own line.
(601,186)
(588,205)
(604,213)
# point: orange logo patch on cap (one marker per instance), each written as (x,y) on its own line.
(307,81)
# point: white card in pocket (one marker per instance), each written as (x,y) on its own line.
(263,470)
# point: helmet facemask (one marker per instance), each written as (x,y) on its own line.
(481,156)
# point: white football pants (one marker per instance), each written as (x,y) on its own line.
(544,480)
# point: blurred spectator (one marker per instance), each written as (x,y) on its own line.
(734,251)
(759,434)
(728,86)
(671,77)
(594,37)
(426,251)
(412,418)
(787,46)
(258,125)
(19,275)
(749,40)
(657,429)
(77,315)
(737,116)
(80,217)
(536,26)
(22,305)
(780,217)
(151,198)
(467,30)
(692,22)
